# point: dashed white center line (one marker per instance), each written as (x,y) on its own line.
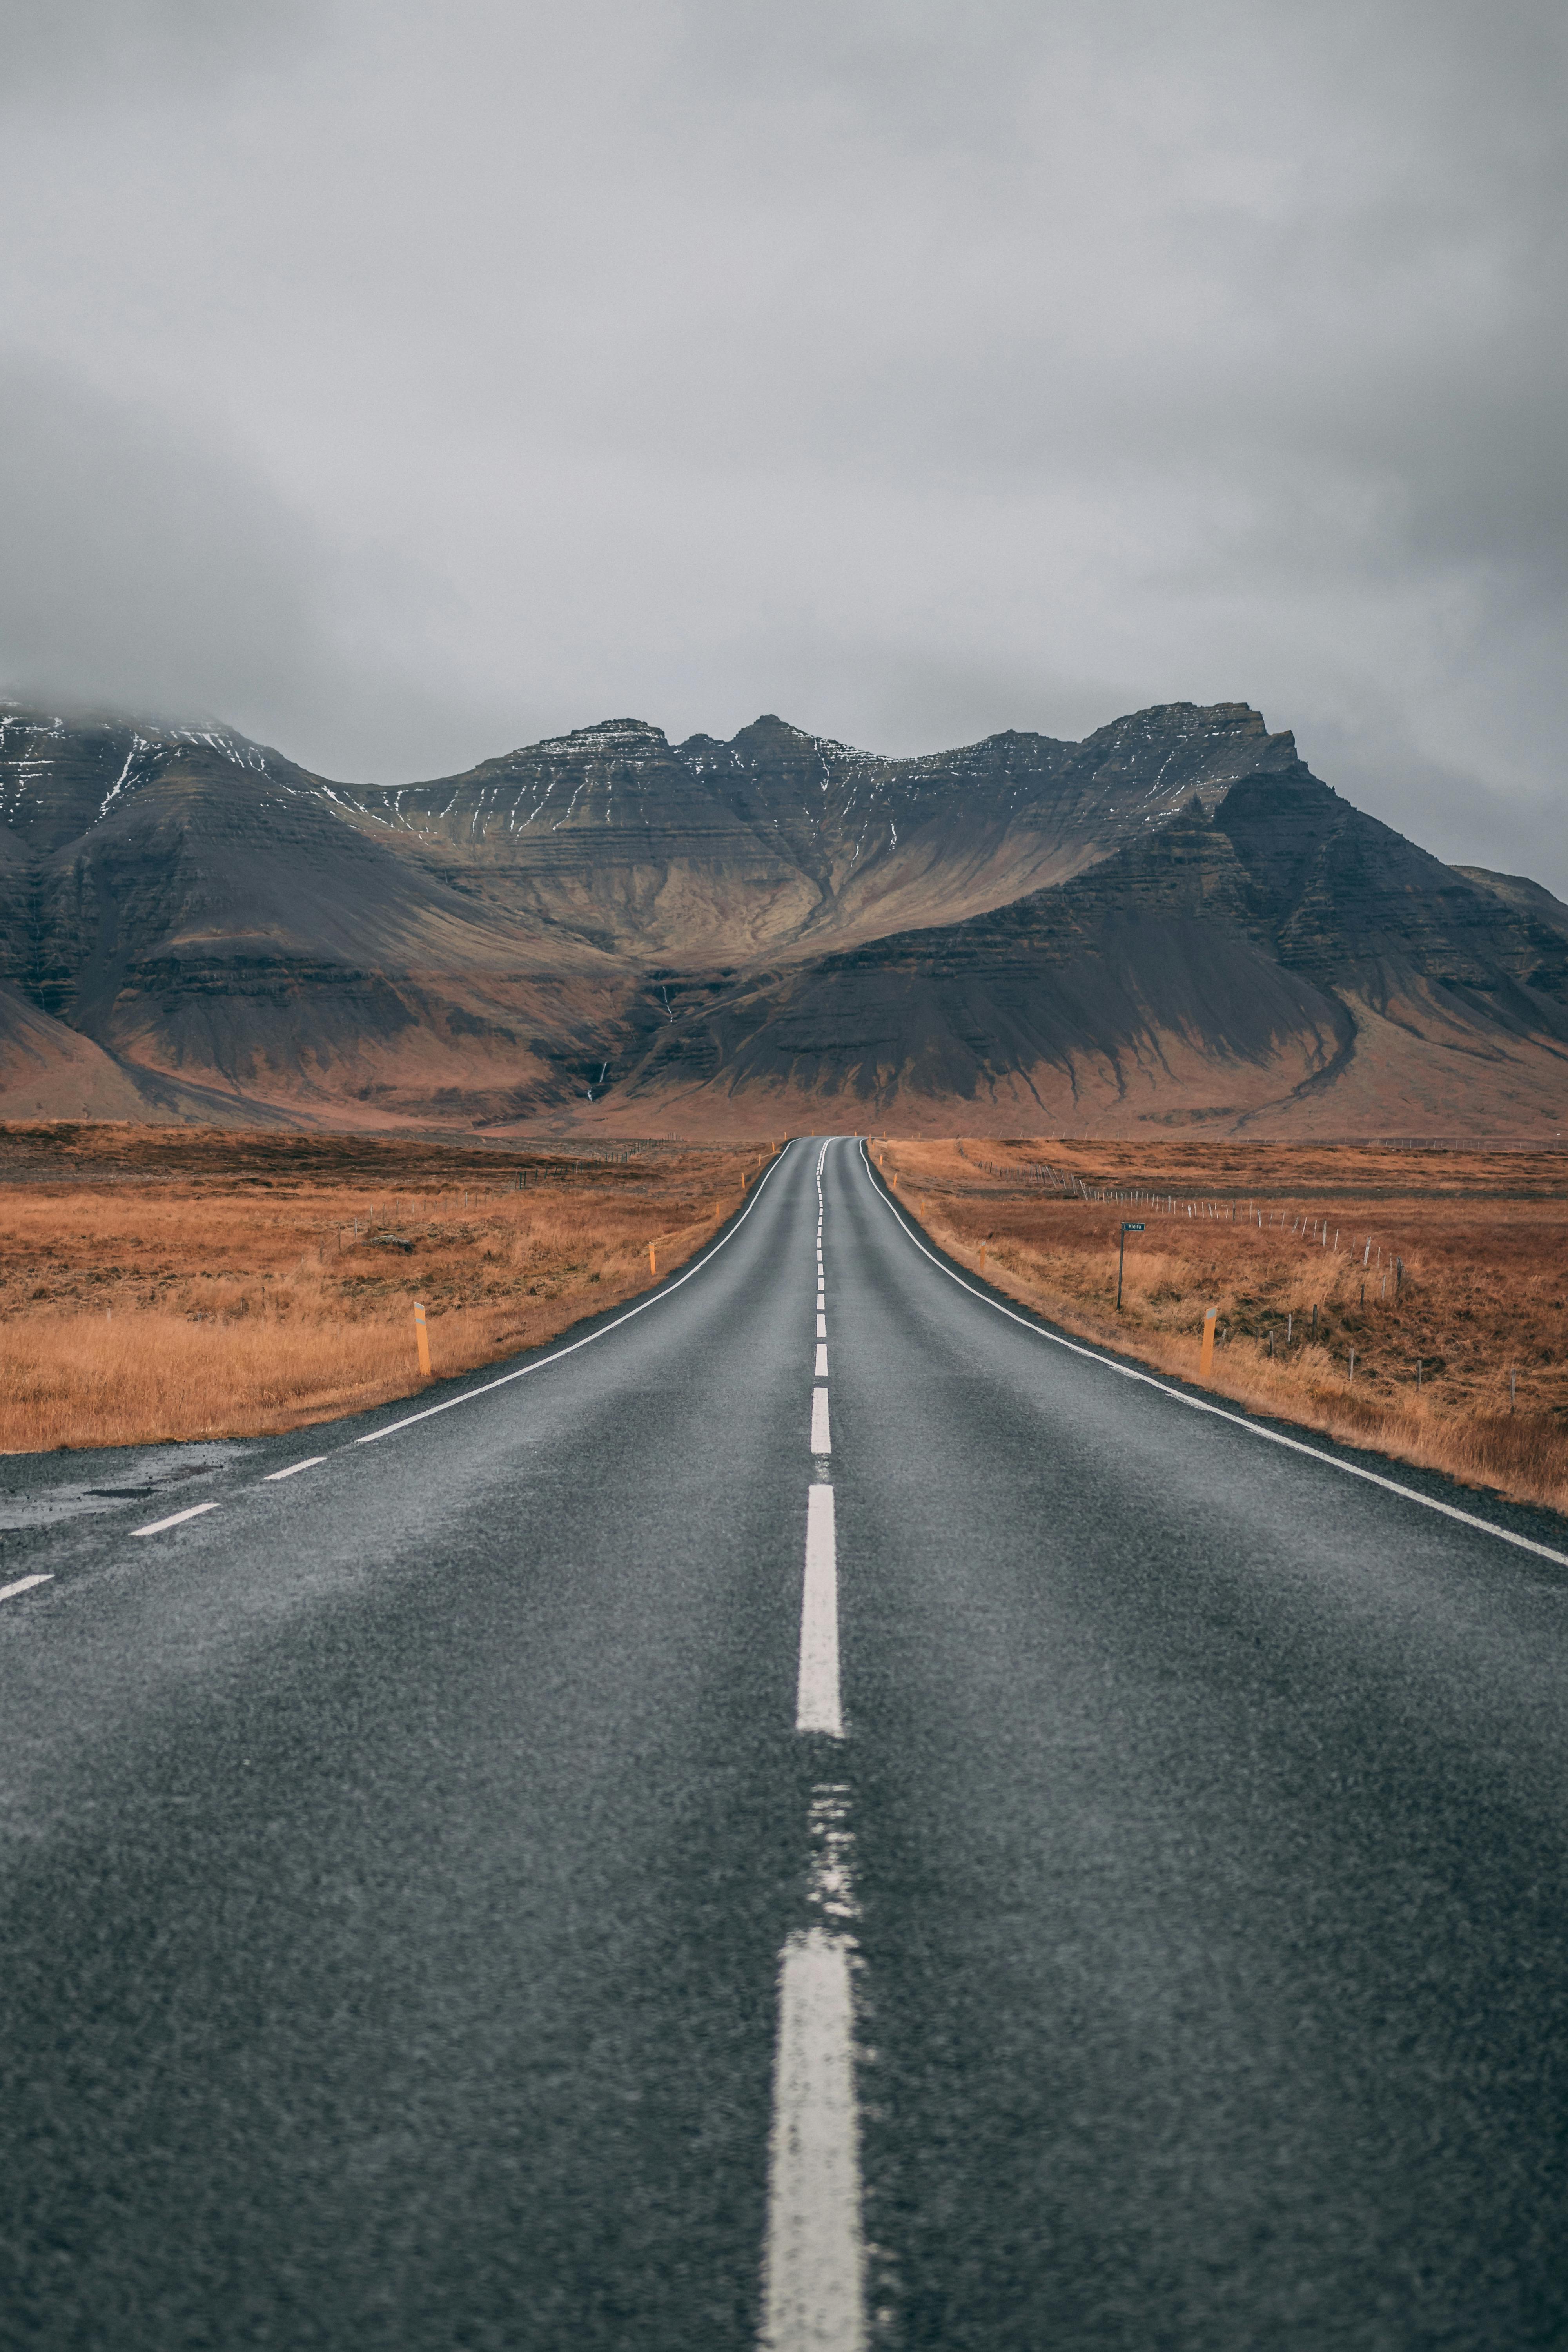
(175,1519)
(23,1584)
(814,2289)
(294,1468)
(816,1706)
(813,2260)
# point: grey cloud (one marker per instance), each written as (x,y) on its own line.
(1446,808)
(147,570)
(137,561)
(55,48)
(915,369)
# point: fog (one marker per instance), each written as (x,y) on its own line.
(401,383)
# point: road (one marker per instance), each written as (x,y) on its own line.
(999,1857)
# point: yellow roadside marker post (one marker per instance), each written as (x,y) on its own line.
(1205,1360)
(422,1334)
(652,1261)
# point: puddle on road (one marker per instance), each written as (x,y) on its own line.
(40,1490)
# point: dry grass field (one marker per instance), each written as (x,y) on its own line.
(162,1284)
(1444,1272)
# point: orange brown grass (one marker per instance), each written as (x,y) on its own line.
(187,1296)
(1482,1239)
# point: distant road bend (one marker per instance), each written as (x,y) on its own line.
(816,1814)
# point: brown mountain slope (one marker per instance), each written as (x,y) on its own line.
(483,947)
(217,926)
(1530,897)
(50,1071)
(1287,963)
(706,853)
(1171,920)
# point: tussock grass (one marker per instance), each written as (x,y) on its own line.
(1482,1238)
(209,1307)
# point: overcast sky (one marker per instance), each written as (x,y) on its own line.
(404,381)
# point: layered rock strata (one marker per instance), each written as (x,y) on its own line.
(1170,919)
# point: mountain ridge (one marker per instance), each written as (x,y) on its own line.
(1249,951)
(1170,917)
(814,824)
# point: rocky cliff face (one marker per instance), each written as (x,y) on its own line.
(1233,966)
(1171,913)
(196,906)
(1517,890)
(780,842)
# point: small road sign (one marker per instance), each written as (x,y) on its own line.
(1120,1256)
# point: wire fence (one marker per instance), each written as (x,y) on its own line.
(1287,1329)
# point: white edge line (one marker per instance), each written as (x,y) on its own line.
(23,1584)
(294,1467)
(1236,1420)
(655,1298)
(175,1520)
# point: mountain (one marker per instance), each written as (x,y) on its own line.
(709,853)
(1171,920)
(194,905)
(1279,963)
(1528,897)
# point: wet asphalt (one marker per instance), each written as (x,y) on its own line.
(397,1857)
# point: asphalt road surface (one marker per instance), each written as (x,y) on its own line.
(998,1855)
